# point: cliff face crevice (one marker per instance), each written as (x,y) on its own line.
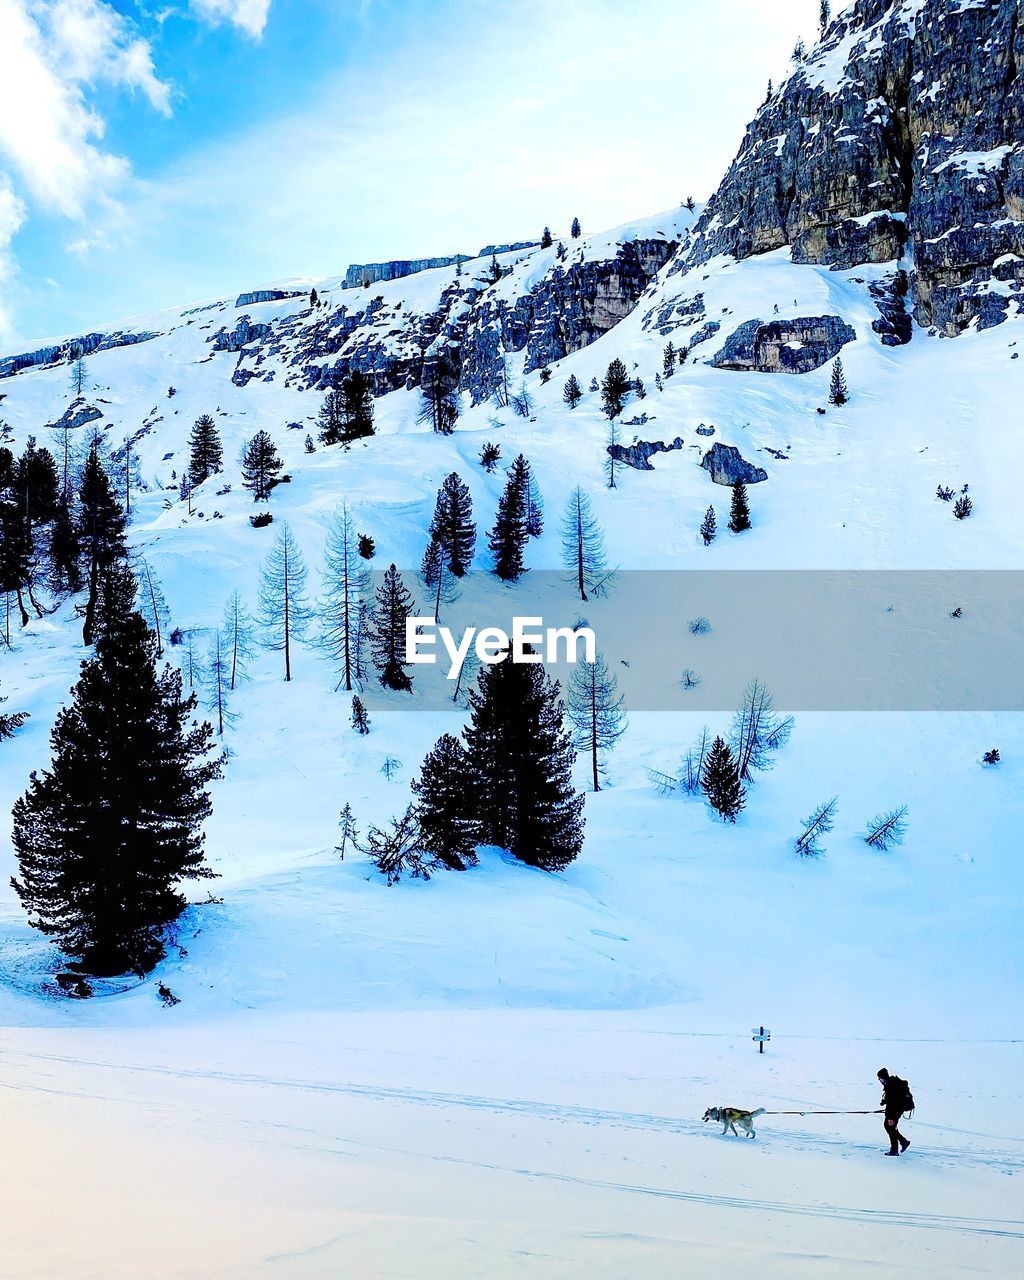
(900,136)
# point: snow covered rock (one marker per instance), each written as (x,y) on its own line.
(639,453)
(726,466)
(785,346)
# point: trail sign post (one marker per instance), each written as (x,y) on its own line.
(761,1034)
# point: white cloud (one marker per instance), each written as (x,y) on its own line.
(249,15)
(12,217)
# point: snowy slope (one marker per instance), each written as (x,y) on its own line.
(505,1071)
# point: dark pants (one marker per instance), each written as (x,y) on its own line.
(896,1139)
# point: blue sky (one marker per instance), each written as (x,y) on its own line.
(154,153)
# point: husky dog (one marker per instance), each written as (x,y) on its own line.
(730,1117)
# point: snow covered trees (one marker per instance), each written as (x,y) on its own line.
(452,527)
(260,466)
(739,508)
(237,630)
(520,766)
(546,240)
(509,536)
(721,782)
(106,834)
(595,710)
(444,808)
(757,730)
(571,392)
(668,360)
(356,406)
(614,388)
(817,824)
(575,230)
(205,451)
(709,527)
(360,718)
(284,611)
(838,393)
(439,392)
(887,829)
(583,553)
(387,636)
(346,586)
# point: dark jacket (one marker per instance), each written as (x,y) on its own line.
(896,1096)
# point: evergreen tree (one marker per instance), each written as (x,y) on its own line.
(575,230)
(508,538)
(107,833)
(594,385)
(387,641)
(583,553)
(572,394)
(349,832)
(206,454)
(614,388)
(10,721)
(611,453)
(314,298)
(360,719)
(330,418)
(64,552)
(452,526)
(824,17)
(367,546)
(237,630)
(260,466)
(439,394)
(438,579)
(545,240)
(838,393)
(520,766)
(284,611)
(309,444)
(720,780)
(496,271)
(346,587)
(522,475)
(490,456)
(16,551)
(100,534)
(668,360)
(595,710)
(444,806)
(739,508)
(117,599)
(639,390)
(709,527)
(356,406)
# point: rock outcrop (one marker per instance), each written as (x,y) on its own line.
(268,295)
(638,454)
(68,351)
(360,274)
(905,123)
(785,346)
(726,466)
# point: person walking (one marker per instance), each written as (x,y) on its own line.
(897,1100)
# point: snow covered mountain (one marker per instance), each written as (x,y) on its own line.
(538,1050)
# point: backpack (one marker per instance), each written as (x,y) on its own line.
(899,1093)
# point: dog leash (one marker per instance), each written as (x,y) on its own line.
(876,1112)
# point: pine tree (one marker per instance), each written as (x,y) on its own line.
(452,526)
(508,538)
(356,406)
(330,418)
(611,453)
(260,465)
(575,230)
(520,766)
(394,605)
(639,390)
(438,579)
(346,587)
(15,536)
(571,393)
(583,553)
(614,388)
(117,598)
(153,605)
(490,456)
(444,806)
(64,552)
(349,832)
(206,453)
(309,444)
(360,718)
(367,546)
(10,721)
(668,360)
(314,298)
(709,527)
(595,710)
(522,475)
(237,629)
(545,240)
(838,392)
(100,533)
(284,611)
(79,378)
(106,834)
(824,17)
(217,681)
(439,394)
(739,508)
(721,782)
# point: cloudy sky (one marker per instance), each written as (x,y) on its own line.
(155,152)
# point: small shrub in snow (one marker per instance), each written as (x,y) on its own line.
(390,767)
(818,824)
(963,507)
(991,757)
(699,626)
(689,679)
(887,829)
(262,520)
(709,527)
(167,996)
(944,493)
(360,719)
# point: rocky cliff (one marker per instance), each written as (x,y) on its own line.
(899,136)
